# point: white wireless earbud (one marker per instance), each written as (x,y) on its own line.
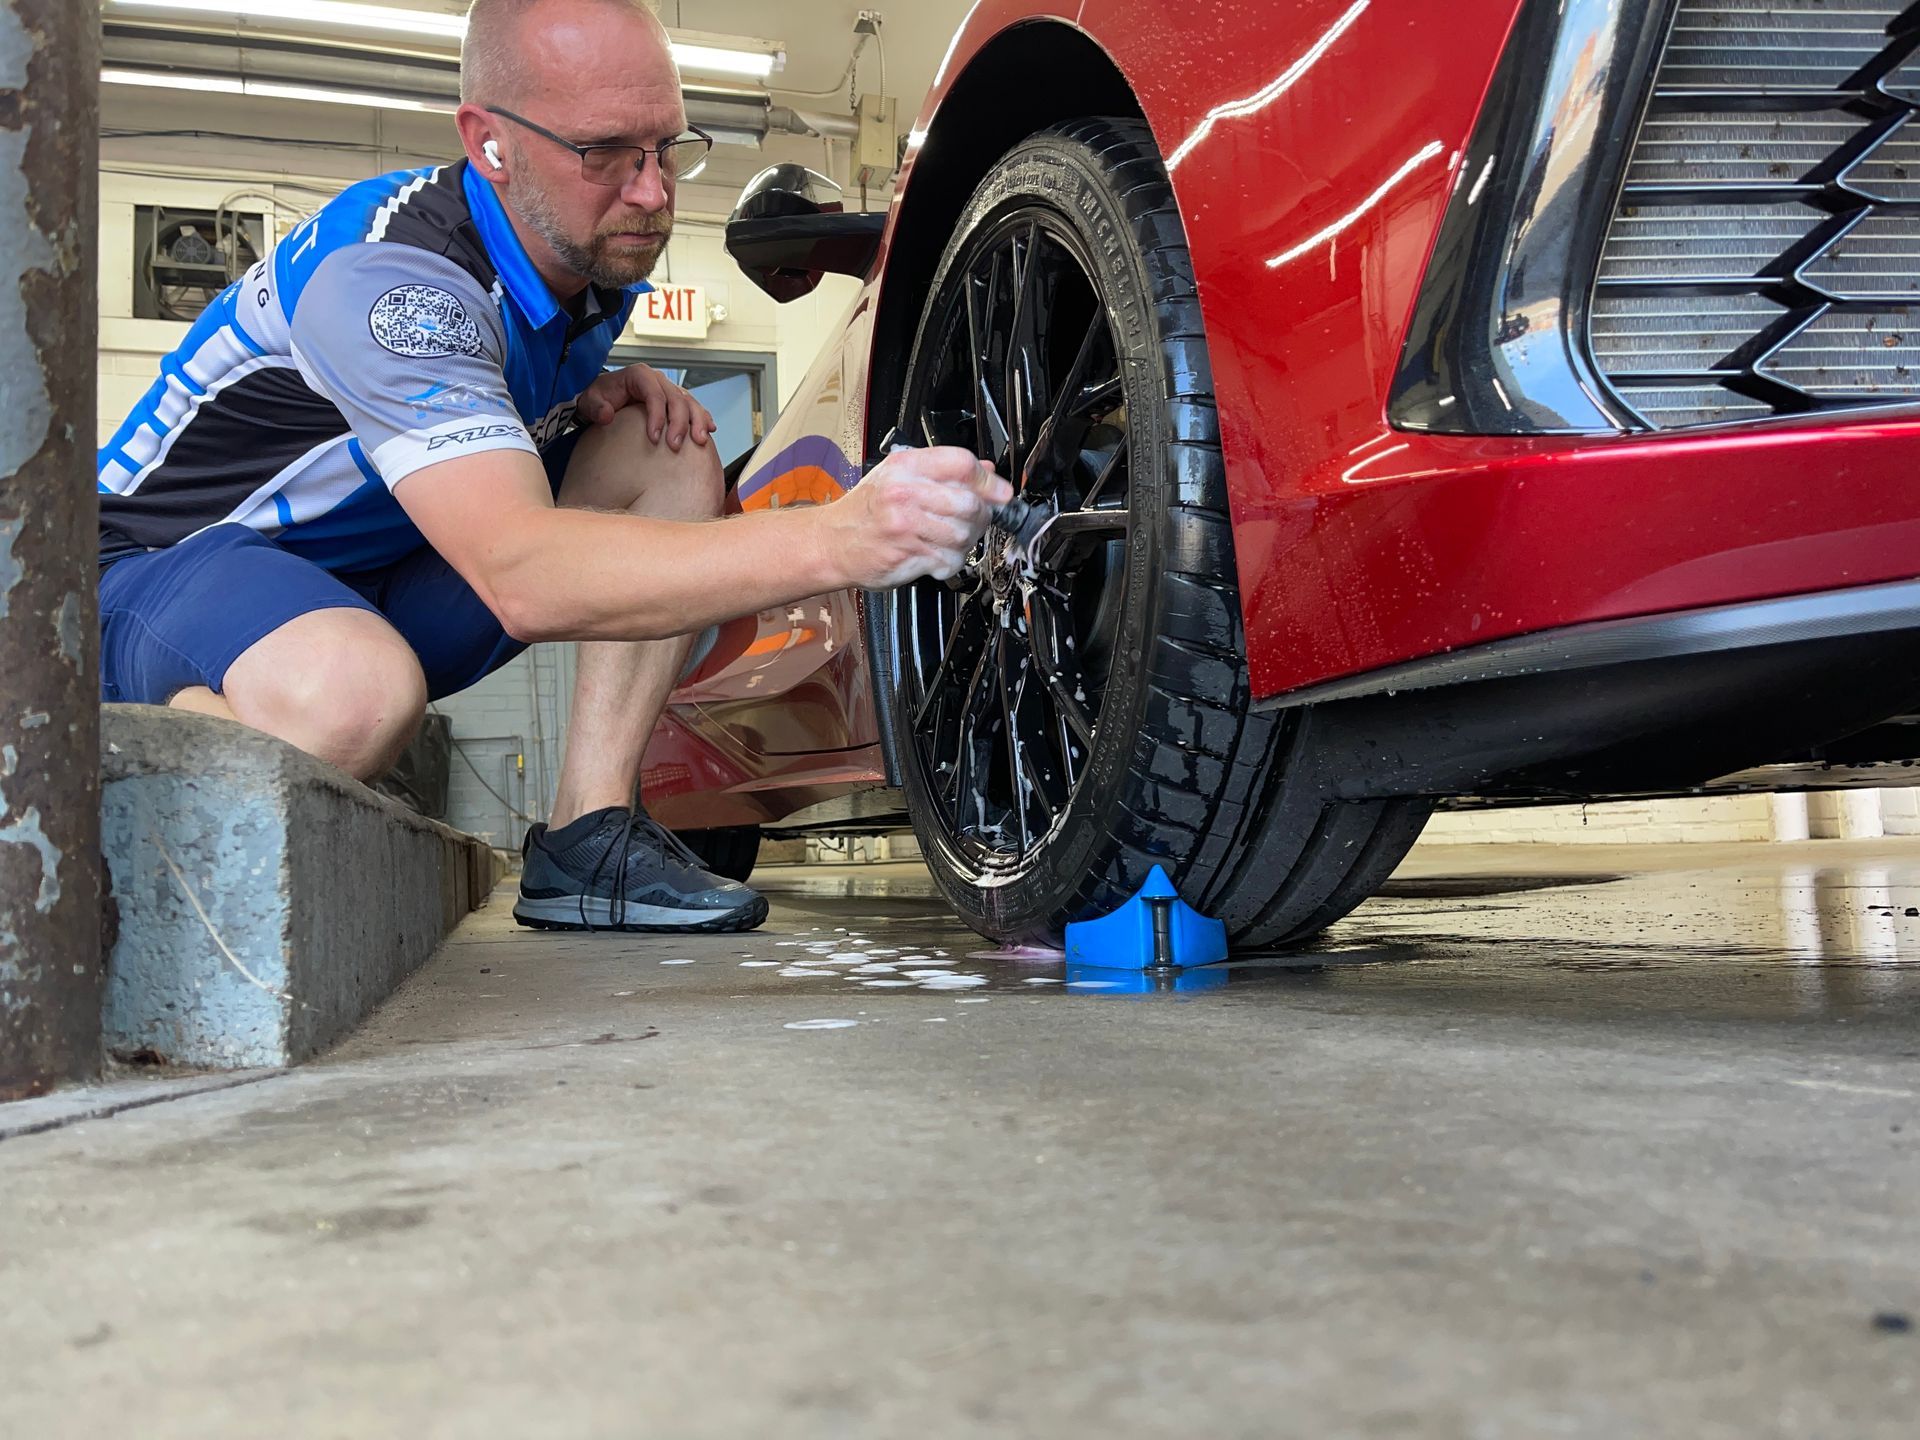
(492,151)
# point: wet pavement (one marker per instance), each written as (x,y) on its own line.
(1544,1141)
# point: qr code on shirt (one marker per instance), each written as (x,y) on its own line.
(422,323)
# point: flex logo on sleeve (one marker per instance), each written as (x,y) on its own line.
(423,322)
(473,434)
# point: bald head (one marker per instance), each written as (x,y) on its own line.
(504,59)
(542,78)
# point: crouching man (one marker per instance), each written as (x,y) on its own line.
(387,459)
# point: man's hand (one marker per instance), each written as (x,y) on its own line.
(671,411)
(918,513)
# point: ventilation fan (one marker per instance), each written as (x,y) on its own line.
(190,256)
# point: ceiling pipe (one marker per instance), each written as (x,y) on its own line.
(790,121)
(128,48)
(738,114)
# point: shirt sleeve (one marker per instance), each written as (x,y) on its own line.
(411,350)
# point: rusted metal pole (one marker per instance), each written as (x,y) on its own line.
(50,962)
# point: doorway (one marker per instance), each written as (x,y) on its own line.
(736,386)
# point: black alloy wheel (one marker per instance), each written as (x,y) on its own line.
(1069,718)
(1009,664)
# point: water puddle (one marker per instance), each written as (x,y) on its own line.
(1802,926)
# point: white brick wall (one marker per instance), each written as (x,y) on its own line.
(1705,820)
(494,728)
(1900,811)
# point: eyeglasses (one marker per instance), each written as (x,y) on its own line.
(681,158)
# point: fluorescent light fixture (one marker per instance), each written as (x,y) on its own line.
(708,55)
(160,80)
(719,60)
(272,90)
(319,12)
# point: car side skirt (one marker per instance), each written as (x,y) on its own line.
(1664,704)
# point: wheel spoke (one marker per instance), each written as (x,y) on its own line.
(1017,257)
(1063,530)
(1026,378)
(942,676)
(1039,786)
(1060,434)
(1052,666)
(1087,522)
(1096,399)
(981,399)
(998,448)
(1016,771)
(1098,490)
(969,774)
(1066,712)
(1068,400)
(1048,794)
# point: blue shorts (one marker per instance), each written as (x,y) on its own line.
(175,618)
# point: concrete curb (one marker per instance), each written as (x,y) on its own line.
(266,902)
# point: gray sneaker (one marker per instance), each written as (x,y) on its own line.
(620,870)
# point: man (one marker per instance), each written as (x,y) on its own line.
(358,484)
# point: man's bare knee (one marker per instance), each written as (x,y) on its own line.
(340,684)
(376,716)
(617,466)
(700,482)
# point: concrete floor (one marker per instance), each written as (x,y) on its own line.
(1572,1142)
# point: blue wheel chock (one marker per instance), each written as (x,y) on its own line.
(1155,930)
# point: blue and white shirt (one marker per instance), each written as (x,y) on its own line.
(400,326)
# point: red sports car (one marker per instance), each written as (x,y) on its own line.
(1513,399)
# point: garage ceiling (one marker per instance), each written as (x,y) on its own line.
(818,39)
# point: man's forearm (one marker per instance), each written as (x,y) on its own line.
(589,575)
(569,574)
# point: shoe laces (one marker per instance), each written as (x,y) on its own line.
(622,846)
(617,903)
(669,842)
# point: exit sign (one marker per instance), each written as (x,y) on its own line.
(675,311)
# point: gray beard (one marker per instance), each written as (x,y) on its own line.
(606,271)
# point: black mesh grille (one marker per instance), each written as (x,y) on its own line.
(1765,255)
